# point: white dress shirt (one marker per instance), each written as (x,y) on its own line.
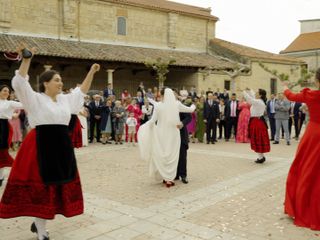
(7,108)
(258,107)
(41,108)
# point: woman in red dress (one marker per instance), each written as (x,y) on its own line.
(243,122)
(44,180)
(302,200)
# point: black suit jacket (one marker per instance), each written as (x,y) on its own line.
(106,93)
(94,110)
(185,118)
(212,112)
(296,110)
(228,109)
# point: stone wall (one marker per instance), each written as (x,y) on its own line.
(96,21)
(258,78)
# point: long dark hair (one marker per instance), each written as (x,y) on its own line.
(5,86)
(318,74)
(263,95)
(46,77)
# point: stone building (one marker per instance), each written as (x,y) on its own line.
(122,35)
(307,45)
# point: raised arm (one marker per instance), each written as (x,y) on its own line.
(86,84)
(249,96)
(295,97)
(185,109)
(21,85)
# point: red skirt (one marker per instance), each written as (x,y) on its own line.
(5,159)
(259,137)
(302,199)
(76,134)
(26,194)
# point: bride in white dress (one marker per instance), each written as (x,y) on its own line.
(159,138)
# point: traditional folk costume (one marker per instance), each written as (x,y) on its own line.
(75,131)
(258,130)
(302,200)
(44,180)
(7,109)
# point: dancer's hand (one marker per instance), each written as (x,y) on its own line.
(179,126)
(95,68)
(285,85)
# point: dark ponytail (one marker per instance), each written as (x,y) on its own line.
(263,95)
(46,77)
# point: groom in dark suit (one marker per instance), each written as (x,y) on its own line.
(185,119)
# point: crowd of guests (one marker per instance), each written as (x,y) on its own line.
(107,118)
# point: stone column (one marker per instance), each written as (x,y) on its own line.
(110,76)
(47,67)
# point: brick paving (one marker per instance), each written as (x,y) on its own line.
(228,197)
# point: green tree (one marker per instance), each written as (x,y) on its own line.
(161,68)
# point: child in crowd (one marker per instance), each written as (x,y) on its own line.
(131,123)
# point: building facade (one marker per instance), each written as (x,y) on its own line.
(307,45)
(122,35)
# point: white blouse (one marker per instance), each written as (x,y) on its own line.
(41,109)
(258,107)
(7,108)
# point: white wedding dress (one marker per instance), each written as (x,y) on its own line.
(159,138)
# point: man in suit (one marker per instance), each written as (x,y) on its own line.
(282,107)
(185,119)
(140,100)
(224,95)
(108,91)
(95,117)
(192,92)
(296,117)
(231,116)
(271,112)
(211,115)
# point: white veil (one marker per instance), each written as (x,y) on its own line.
(159,138)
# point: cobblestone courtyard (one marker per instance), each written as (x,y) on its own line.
(228,197)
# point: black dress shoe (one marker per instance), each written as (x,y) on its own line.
(90,141)
(213,142)
(276,142)
(35,230)
(208,142)
(288,143)
(262,160)
(177,178)
(185,180)
(1,181)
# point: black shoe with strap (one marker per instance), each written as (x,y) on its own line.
(184,180)
(35,230)
(1,181)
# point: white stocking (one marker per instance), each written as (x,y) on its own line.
(1,173)
(260,155)
(41,227)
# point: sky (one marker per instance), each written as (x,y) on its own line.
(269,25)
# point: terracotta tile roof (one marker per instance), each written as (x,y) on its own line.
(169,6)
(249,52)
(107,52)
(304,42)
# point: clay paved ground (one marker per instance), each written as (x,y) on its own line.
(228,197)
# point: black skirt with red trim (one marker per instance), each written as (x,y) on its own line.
(75,129)
(259,137)
(6,132)
(27,195)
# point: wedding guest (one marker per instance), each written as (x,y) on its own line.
(231,116)
(147,110)
(95,118)
(200,126)
(282,107)
(211,114)
(271,112)
(119,114)
(132,125)
(105,124)
(243,122)
(222,123)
